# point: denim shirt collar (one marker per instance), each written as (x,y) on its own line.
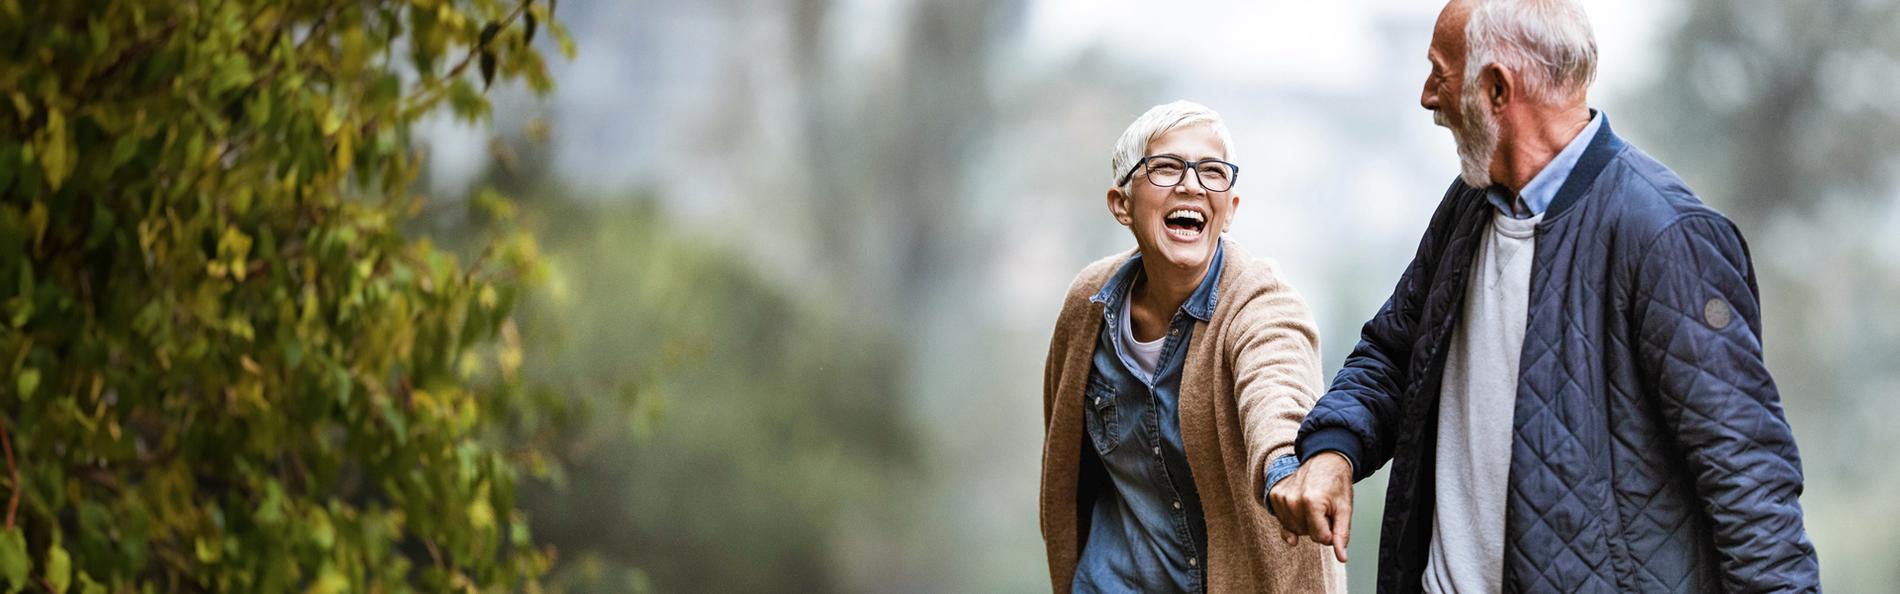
(1542,189)
(1199,305)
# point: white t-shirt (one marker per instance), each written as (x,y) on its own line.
(1147,355)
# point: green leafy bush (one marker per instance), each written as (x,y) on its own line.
(226,367)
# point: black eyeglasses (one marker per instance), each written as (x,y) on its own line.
(1167,171)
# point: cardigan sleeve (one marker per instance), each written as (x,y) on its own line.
(1276,374)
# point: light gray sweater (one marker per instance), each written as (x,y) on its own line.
(1475,407)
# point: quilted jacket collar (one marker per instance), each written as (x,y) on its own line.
(1597,156)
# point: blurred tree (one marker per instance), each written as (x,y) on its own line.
(763,446)
(765,429)
(1781,105)
(885,183)
(1780,114)
(226,367)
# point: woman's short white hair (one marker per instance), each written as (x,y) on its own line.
(1548,44)
(1158,121)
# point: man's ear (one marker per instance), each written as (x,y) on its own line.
(1118,206)
(1498,85)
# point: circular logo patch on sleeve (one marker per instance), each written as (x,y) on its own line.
(1716,313)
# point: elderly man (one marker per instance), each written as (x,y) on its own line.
(1176,372)
(1568,378)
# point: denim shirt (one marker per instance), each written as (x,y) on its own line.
(1146,531)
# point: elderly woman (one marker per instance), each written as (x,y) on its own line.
(1177,372)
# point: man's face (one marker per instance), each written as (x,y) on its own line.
(1178,226)
(1455,103)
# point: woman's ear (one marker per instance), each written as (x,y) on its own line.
(1232,209)
(1118,206)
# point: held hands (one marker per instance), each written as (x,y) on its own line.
(1316,502)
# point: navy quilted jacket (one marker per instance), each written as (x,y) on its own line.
(1649,450)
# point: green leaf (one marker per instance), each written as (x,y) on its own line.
(395,419)
(233,73)
(329,581)
(321,532)
(36,221)
(27,382)
(208,552)
(23,306)
(87,586)
(270,511)
(21,105)
(97,32)
(481,515)
(56,153)
(563,39)
(13,559)
(59,569)
(123,150)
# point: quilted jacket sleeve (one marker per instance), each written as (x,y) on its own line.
(1358,415)
(1355,416)
(1700,356)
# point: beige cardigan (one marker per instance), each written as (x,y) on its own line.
(1250,376)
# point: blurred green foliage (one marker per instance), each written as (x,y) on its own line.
(227,367)
(756,433)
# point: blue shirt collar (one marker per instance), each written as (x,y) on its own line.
(1199,305)
(1542,188)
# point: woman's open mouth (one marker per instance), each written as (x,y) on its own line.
(1185,224)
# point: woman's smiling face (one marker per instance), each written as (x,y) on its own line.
(1179,226)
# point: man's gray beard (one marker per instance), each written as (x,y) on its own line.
(1477,140)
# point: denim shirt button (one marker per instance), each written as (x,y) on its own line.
(1193,562)
(1177,504)
(1157,450)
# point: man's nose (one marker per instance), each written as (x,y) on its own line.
(1426,98)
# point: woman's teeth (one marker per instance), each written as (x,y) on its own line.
(1184,224)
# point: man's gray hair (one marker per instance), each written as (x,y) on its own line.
(1158,121)
(1548,44)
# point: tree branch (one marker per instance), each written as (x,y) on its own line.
(13,501)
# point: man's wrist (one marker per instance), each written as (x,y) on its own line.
(1327,456)
(1331,439)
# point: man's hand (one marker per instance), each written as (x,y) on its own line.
(1317,502)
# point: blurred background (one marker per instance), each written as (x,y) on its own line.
(821,244)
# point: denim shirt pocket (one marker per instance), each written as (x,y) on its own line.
(1101,415)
